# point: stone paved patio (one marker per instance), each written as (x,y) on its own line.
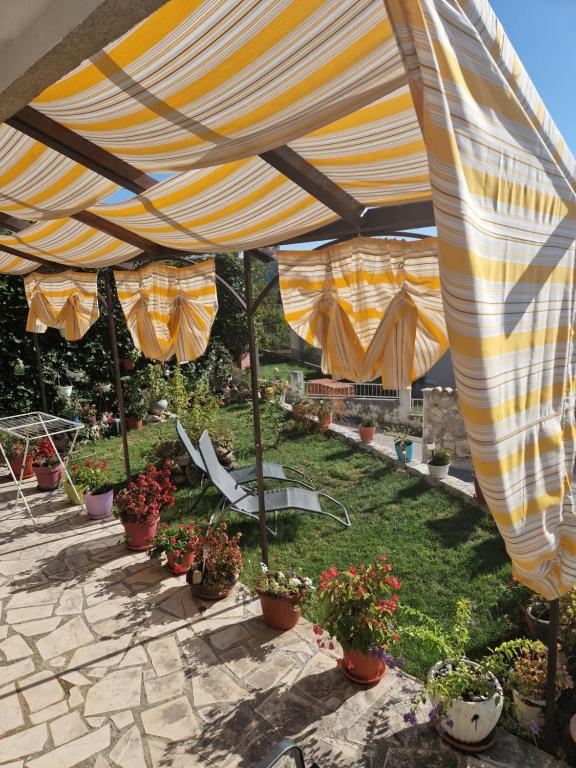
(106,660)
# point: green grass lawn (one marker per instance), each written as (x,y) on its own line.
(442,549)
(271,369)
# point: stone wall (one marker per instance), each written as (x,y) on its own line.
(443,425)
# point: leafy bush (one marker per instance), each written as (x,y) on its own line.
(178,392)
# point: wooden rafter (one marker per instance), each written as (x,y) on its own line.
(307,177)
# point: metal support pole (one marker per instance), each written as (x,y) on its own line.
(549,727)
(255,405)
(117,375)
(40,368)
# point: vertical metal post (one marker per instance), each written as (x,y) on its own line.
(117,374)
(255,405)
(549,727)
(40,368)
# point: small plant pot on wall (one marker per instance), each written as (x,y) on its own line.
(48,477)
(133,422)
(404,450)
(367,433)
(280,612)
(325,419)
(99,505)
(362,668)
(439,464)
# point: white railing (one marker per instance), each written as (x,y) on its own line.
(357,391)
(417,406)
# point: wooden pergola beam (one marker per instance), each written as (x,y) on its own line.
(307,177)
(118,232)
(70,144)
(376,221)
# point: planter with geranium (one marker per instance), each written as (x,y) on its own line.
(439,464)
(89,414)
(92,480)
(47,466)
(466,697)
(281,596)
(217,563)
(176,542)
(368,427)
(357,608)
(139,505)
(15,450)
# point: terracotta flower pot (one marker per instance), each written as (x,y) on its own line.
(99,505)
(179,568)
(16,464)
(367,433)
(205,592)
(280,612)
(48,477)
(129,365)
(325,419)
(362,668)
(139,535)
(133,423)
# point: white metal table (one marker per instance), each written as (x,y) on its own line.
(28,428)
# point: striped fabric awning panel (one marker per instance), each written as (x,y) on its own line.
(64,300)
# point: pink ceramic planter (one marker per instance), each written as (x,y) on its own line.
(48,477)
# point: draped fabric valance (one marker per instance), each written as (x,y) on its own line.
(64,300)
(372,306)
(169,310)
(503,189)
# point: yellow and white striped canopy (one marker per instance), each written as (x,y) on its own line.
(169,310)
(395,101)
(372,306)
(64,300)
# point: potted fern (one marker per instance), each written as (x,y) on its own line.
(368,427)
(467,698)
(439,464)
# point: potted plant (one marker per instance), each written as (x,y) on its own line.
(301,406)
(47,466)
(89,414)
(536,617)
(439,464)
(15,450)
(132,357)
(466,697)
(368,426)
(403,446)
(523,665)
(139,505)
(281,596)
(217,563)
(157,388)
(357,608)
(91,479)
(134,402)
(323,409)
(176,542)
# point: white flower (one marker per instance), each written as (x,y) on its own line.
(264,567)
(308,582)
(281,575)
(294,582)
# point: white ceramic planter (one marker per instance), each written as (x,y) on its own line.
(65,391)
(438,472)
(473,721)
(529,710)
(159,406)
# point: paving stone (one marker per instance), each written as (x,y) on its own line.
(109,608)
(122,719)
(174,720)
(128,752)
(41,690)
(134,657)
(229,636)
(19,615)
(75,678)
(167,687)
(49,713)
(118,690)
(95,722)
(57,662)
(23,743)
(105,653)
(15,671)
(71,602)
(15,647)
(101,762)
(67,637)
(75,698)
(3,631)
(75,751)
(164,655)
(11,716)
(279,669)
(216,686)
(66,728)
(38,627)
(180,603)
